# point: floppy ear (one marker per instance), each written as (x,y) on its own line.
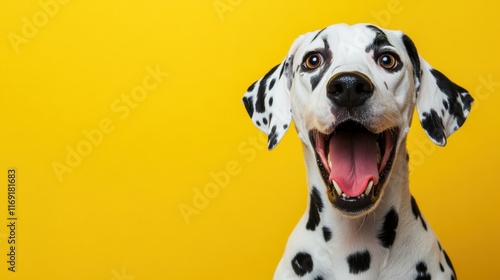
(267,101)
(442,105)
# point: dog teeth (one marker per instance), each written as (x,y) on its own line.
(337,187)
(329,162)
(369,188)
(338,190)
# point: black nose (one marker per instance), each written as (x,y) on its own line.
(349,89)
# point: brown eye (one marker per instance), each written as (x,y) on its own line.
(313,60)
(387,61)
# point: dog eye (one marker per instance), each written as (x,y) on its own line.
(313,60)
(387,61)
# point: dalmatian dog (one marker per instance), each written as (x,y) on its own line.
(352,90)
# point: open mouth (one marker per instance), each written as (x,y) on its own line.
(354,164)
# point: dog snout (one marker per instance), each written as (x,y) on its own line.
(349,89)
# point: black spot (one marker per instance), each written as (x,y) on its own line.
(302,263)
(448,262)
(388,233)
(261,93)
(327,234)
(317,34)
(257,123)
(248,102)
(422,273)
(285,126)
(453,92)
(251,87)
(327,55)
(379,44)
(407,157)
(440,247)
(467,100)
(452,277)
(386,85)
(441,267)
(270,118)
(315,207)
(271,102)
(414,208)
(271,84)
(413,55)
(264,120)
(433,124)
(272,138)
(424,225)
(283,69)
(416,212)
(359,262)
(445,104)
(317,198)
(379,41)
(315,81)
(318,278)
(374,28)
(421,267)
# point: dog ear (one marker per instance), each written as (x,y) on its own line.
(267,101)
(442,105)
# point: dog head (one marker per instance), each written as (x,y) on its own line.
(351,91)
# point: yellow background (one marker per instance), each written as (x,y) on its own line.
(117,214)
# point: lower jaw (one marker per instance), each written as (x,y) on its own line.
(353,207)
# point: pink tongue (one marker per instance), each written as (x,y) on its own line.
(354,161)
